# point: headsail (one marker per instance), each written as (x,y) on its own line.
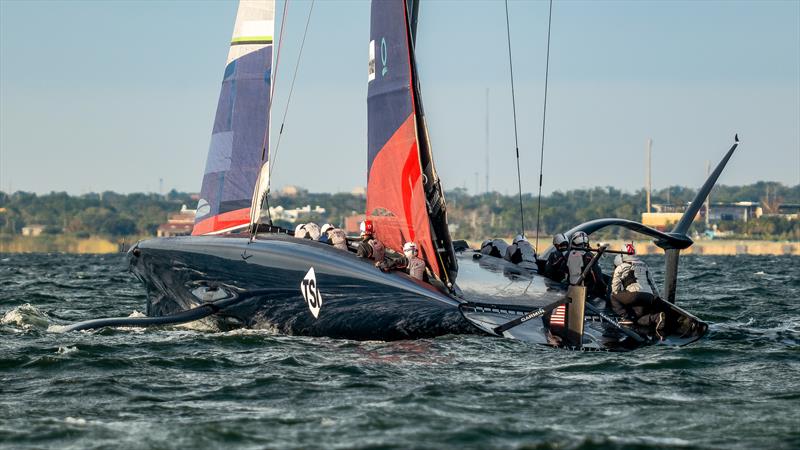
(239,140)
(404,197)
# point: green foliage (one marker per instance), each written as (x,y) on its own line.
(474,216)
(107,214)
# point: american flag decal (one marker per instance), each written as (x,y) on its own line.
(559,316)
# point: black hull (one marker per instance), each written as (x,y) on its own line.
(358,301)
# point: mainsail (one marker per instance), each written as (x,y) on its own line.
(404,197)
(239,140)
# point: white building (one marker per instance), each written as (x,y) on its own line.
(293,215)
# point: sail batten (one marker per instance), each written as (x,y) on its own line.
(236,150)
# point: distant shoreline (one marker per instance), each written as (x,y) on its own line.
(98,245)
(724,248)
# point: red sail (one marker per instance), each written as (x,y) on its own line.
(396,199)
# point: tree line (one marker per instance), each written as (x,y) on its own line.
(475,217)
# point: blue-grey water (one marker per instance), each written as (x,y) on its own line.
(198,388)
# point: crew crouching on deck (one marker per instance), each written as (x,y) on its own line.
(370,247)
(577,260)
(333,236)
(634,294)
(494,247)
(307,231)
(411,263)
(521,253)
(556,266)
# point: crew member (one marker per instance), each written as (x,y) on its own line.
(521,253)
(307,231)
(370,247)
(333,236)
(634,294)
(577,260)
(494,247)
(415,266)
(323,234)
(556,266)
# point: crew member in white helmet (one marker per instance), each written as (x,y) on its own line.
(410,262)
(334,236)
(578,258)
(634,294)
(556,266)
(414,265)
(307,231)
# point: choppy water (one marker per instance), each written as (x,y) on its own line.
(195,388)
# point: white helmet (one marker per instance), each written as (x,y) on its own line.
(617,260)
(518,238)
(559,240)
(410,247)
(580,239)
(300,231)
(313,231)
(325,228)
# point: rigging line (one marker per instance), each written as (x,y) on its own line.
(514,108)
(274,77)
(291,90)
(544,117)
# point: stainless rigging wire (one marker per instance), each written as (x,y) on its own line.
(544,117)
(291,90)
(514,108)
(274,78)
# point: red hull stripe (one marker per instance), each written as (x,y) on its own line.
(222,221)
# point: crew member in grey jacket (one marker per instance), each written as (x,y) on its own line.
(634,294)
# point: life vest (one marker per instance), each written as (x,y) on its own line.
(522,254)
(337,238)
(378,250)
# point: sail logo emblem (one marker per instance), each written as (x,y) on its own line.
(308,287)
(384,57)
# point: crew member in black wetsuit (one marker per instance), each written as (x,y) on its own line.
(370,247)
(556,266)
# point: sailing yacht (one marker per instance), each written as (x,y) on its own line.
(239,274)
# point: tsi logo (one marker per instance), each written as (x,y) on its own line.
(310,291)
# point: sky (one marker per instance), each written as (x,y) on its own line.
(98,96)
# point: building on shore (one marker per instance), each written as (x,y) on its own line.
(178,224)
(33,230)
(293,215)
(665,216)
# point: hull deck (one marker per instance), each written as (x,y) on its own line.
(357,300)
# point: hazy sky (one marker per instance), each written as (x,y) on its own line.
(115,95)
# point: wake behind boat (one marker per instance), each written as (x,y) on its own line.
(239,271)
